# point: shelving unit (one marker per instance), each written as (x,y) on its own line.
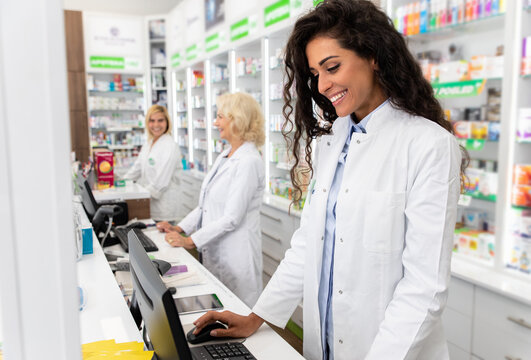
(197,111)
(466,72)
(116,115)
(219,85)
(277,157)
(180,113)
(157,61)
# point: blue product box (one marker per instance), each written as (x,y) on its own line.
(494,131)
(86,235)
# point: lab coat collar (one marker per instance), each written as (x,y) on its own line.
(244,148)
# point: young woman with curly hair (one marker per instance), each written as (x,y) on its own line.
(371,258)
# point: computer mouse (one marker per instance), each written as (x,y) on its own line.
(137,225)
(204,335)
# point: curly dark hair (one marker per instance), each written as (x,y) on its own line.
(357,25)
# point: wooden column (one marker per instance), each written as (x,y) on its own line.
(77,89)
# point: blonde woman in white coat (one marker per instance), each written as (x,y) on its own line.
(156,165)
(371,258)
(225,226)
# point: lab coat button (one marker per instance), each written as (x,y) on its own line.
(328,143)
(357,141)
(340,341)
(322,237)
(324,190)
(341,240)
(340,292)
(346,190)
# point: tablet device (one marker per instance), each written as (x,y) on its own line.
(193,304)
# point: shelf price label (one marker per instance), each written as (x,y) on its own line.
(464,200)
(459,88)
(176,59)
(472,144)
(276,12)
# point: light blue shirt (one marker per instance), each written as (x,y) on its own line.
(326,283)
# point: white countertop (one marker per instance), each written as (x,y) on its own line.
(264,344)
(280,203)
(129,192)
(505,283)
(105,315)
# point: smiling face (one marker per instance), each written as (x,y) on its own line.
(224,127)
(157,125)
(346,79)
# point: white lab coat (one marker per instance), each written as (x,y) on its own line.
(229,237)
(396,213)
(156,169)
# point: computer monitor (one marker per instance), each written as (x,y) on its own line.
(89,202)
(157,306)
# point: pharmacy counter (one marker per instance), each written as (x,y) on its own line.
(264,344)
(505,284)
(136,197)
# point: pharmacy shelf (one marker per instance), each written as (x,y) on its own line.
(451,31)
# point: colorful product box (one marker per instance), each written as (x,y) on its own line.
(521,195)
(104,161)
(494,131)
(523,127)
(463,129)
(479,130)
(522,174)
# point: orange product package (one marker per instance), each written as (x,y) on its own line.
(104,161)
(522,174)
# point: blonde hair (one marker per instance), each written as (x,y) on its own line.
(158,109)
(247,121)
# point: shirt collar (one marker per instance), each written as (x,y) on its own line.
(362,125)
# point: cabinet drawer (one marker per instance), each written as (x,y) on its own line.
(276,224)
(457,328)
(457,353)
(265,279)
(270,264)
(490,343)
(503,314)
(461,296)
(297,315)
(272,249)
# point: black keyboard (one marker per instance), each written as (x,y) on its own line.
(121,234)
(232,350)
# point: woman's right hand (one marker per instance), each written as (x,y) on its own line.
(164,226)
(238,326)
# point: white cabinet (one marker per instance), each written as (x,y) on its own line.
(479,323)
(157,61)
(190,186)
(502,327)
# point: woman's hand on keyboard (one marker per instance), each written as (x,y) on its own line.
(238,326)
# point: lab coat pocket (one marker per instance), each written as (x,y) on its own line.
(384,223)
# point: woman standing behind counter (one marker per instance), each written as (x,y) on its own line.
(156,165)
(225,226)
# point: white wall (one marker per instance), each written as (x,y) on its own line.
(131,7)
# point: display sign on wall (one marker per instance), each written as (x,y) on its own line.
(176,59)
(459,89)
(214,13)
(114,42)
(276,12)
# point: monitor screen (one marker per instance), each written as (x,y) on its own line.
(89,203)
(157,306)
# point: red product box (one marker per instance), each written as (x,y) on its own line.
(104,161)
